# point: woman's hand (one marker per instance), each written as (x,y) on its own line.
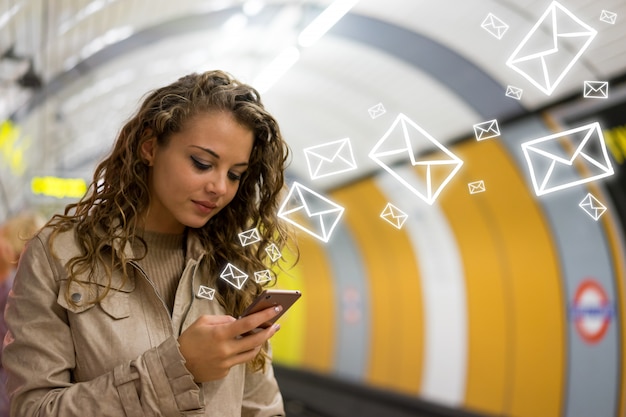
(213,344)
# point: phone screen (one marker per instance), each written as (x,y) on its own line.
(270,298)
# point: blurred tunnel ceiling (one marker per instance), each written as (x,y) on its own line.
(430,60)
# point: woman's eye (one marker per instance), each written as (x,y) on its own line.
(234,177)
(200,165)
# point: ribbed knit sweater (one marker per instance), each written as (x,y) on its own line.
(164,263)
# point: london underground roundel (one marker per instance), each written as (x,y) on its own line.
(591,311)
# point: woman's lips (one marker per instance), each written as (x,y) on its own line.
(205,206)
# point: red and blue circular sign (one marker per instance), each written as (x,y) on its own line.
(591,311)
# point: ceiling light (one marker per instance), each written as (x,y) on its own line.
(86,11)
(253,7)
(276,69)
(326,20)
(112,36)
(6,16)
(235,23)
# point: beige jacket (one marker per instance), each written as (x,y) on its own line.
(119,357)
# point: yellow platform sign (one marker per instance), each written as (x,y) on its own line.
(59,187)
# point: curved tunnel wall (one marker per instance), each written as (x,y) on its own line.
(470,304)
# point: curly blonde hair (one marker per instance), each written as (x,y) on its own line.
(118,194)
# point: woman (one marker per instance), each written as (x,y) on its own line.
(111,311)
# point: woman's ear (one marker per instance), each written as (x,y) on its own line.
(148,149)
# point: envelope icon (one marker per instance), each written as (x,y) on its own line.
(608,17)
(377,110)
(592,206)
(310,212)
(234,276)
(206,292)
(596,89)
(401,143)
(273,252)
(551,48)
(476,187)
(494,26)
(553,167)
(263,276)
(514,92)
(487,130)
(394,216)
(330,158)
(249,237)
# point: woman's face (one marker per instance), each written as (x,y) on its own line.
(197,173)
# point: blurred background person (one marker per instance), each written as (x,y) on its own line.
(14,233)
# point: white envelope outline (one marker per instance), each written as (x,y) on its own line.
(234,276)
(262,276)
(487,130)
(249,237)
(535,65)
(410,129)
(376,110)
(592,206)
(330,158)
(321,214)
(476,187)
(494,26)
(596,89)
(533,152)
(273,252)
(206,292)
(514,92)
(608,17)
(394,216)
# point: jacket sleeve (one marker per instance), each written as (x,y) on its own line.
(39,358)
(262,396)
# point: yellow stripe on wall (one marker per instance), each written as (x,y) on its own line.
(396,318)
(488,311)
(288,344)
(532,283)
(316,342)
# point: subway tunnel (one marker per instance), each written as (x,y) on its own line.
(463,252)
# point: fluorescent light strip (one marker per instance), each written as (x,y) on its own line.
(6,16)
(91,8)
(276,69)
(326,20)
(253,7)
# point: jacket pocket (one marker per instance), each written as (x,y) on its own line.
(79,294)
(115,304)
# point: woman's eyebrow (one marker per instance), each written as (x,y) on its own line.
(216,156)
(207,150)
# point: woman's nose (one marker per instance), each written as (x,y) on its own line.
(217,183)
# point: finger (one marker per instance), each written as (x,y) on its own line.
(215,320)
(244,357)
(253,321)
(255,339)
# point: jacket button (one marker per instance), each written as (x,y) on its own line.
(76,297)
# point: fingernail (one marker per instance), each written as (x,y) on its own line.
(278,309)
(276,327)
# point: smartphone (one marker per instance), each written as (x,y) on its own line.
(270,298)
